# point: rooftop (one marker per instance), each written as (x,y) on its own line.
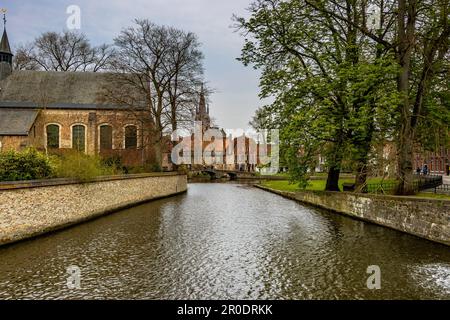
(62,106)
(16,122)
(4,44)
(57,90)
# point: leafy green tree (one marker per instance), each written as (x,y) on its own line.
(331,85)
(417,33)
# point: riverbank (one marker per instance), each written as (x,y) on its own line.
(32,208)
(425,218)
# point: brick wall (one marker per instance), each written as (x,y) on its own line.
(13,142)
(92,119)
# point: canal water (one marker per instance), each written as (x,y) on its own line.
(225,241)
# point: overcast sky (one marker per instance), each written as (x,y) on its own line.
(236,98)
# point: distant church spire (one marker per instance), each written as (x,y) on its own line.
(202,113)
(202,104)
(5,52)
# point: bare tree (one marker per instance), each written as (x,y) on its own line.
(184,63)
(66,51)
(23,58)
(164,66)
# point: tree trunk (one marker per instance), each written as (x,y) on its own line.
(406,32)
(334,170)
(405,168)
(333,179)
(363,158)
(174,128)
(158,147)
(158,155)
(361,177)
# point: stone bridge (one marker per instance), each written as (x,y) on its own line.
(232,174)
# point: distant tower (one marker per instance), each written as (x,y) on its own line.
(202,112)
(5,52)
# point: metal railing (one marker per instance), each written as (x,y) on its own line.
(428,182)
(442,189)
(381,188)
(421,182)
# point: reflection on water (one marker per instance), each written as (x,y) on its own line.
(432,276)
(225,241)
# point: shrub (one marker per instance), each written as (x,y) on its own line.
(136,170)
(183,169)
(114,163)
(25,165)
(82,167)
(154,167)
(147,168)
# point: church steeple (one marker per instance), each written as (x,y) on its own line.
(202,104)
(4,44)
(5,52)
(202,112)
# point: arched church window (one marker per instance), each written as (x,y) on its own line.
(106,137)
(79,138)
(130,137)
(52,136)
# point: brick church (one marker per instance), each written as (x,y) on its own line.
(58,111)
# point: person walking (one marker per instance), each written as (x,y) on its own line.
(425,169)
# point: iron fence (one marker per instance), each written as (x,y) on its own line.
(421,182)
(383,188)
(442,189)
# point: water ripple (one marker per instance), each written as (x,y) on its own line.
(225,241)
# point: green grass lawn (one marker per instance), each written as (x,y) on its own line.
(282,174)
(313,185)
(319,185)
(433,195)
(316,185)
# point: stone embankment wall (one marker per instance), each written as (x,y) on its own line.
(29,209)
(426,218)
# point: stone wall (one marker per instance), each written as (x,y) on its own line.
(32,208)
(426,218)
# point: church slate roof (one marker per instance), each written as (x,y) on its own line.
(4,44)
(60,106)
(16,122)
(59,90)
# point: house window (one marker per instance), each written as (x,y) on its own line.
(106,137)
(130,137)
(79,138)
(53,136)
